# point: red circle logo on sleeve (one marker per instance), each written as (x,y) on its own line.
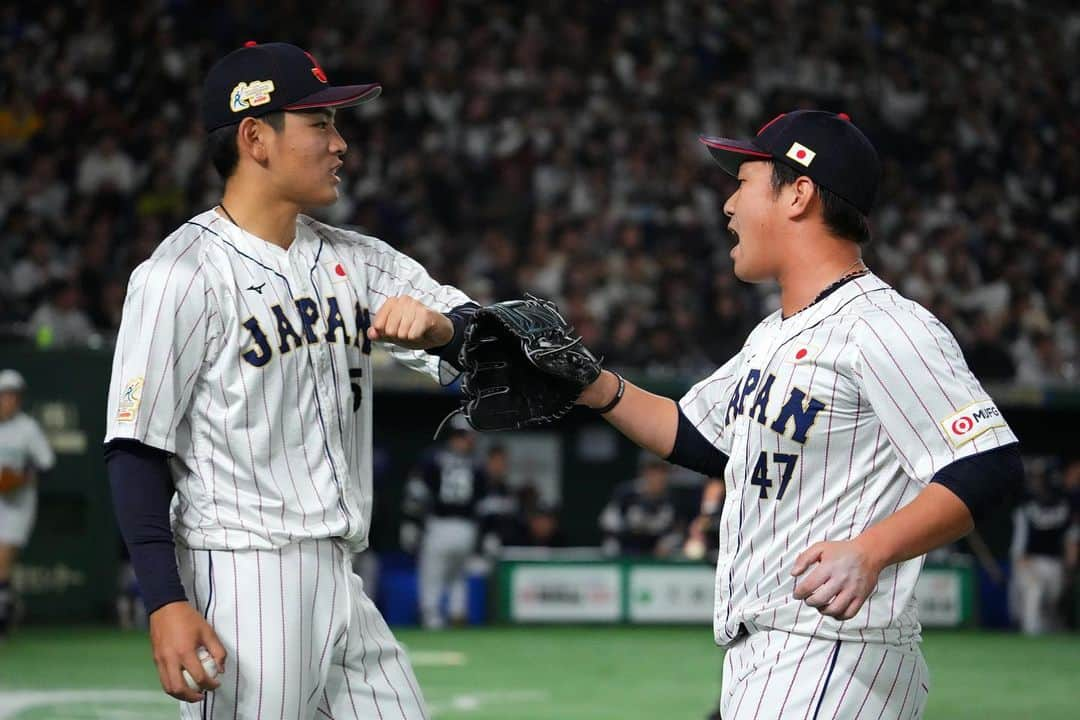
(340,270)
(801,354)
(962,425)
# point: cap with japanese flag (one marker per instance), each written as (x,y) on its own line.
(263,78)
(824,146)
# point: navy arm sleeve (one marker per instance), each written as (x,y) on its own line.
(985,481)
(141,491)
(694,452)
(459,316)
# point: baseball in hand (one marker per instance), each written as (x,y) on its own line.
(694,549)
(209,665)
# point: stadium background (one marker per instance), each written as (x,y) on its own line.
(547,147)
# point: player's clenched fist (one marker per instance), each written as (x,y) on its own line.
(405,321)
(177,630)
(844,577)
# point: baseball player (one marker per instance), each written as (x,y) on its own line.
(499,510)
(1043,551)
(855,436)
(239,436)
(24,453)
(641,519)
(440,508)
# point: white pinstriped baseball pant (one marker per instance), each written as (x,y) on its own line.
(304,641)
(771,674)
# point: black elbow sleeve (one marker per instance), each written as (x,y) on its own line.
(142,490)
(694,452)
(985,481)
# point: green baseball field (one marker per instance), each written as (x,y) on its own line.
(551,673)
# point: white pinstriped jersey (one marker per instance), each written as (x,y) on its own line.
(251,365)
(832,420)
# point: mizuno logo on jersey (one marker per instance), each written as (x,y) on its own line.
(257,288)
(972,421)
(797,411)
(260,349)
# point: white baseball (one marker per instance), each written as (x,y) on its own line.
(694,549)
(209,665)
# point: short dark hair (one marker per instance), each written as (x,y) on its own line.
(840,217)
(221,143)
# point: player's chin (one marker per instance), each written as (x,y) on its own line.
(742,266)
(325,196)
(746,267)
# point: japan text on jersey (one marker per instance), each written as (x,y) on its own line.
(833,419)
(251,364)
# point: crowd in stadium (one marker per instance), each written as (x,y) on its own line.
(555,151)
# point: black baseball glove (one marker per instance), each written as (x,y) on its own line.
(523,365)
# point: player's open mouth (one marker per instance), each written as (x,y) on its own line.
(333,172)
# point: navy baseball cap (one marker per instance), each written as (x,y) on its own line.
(824,146)
(263,78)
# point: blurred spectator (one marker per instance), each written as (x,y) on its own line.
(1071,484)
(1044,550)
(640,518)
(19,121)
(106,168)
(31,274)
(542,527)
(1039,359)
(45,194)
(60,321)
(553,148)
(987,356)
(539,520)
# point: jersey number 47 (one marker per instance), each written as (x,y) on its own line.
(760,477)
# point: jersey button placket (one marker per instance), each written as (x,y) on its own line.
(319,356)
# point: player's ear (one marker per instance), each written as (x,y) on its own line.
(800,196)
(251,139)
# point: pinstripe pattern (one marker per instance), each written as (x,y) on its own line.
(272,464)
(815,679)
(855,389)
(359,670)
(886,373)
(244,431)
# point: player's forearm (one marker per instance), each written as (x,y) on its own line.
(649,420)
(141,491)
(934,518)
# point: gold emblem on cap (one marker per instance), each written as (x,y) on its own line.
(249,95)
